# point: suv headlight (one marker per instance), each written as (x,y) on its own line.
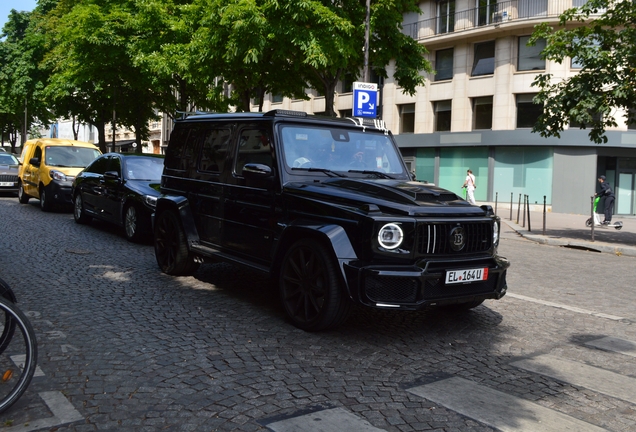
(390,236)
(58,175)
(495,233)
(150,200)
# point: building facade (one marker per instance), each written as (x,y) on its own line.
(476,111)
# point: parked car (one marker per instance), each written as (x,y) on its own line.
(8,173)
(327,208)
(48,167)
(121,189)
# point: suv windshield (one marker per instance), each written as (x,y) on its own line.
(339,149)
(69,156)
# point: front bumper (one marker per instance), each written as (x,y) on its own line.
(60,192)
(422,286)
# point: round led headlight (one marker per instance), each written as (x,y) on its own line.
(390,236)
(495,233)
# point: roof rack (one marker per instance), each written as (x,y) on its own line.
(283,112)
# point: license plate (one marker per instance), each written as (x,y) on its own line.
(6,184)
(466,276)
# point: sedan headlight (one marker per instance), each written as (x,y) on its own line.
(390,236)
(150,200)
(495,233)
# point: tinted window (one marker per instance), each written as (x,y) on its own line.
(178,141)
(214,149)
(99,166)
(254,147)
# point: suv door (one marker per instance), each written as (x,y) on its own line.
(250,203)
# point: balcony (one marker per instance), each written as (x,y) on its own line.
(495,13)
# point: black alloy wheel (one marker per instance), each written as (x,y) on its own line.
(171,249)
(311,289)
(132,223)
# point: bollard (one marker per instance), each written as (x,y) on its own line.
(525,201)
(543,214)
(592,216)
(518,209)
(510,205)
(496,196)
(528,199)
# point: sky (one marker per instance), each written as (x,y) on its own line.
(19,5)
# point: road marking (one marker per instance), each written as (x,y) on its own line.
(582,375)
(63,412)
(497,409)
(329,420)
(19,362)
(616,345)
(562,306)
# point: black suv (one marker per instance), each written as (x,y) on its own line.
(328,209)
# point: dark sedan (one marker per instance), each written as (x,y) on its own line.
(8,173)
(121,189)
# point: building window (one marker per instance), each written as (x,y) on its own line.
(527,111)
(346,85)
(591,44)
(530,56)
(631,119)
(407,118)
(446,16)
(532,8)
(482,113)
(442,116)
(346,113)
(444,64)
(486,10)
(277,98)
(484,62)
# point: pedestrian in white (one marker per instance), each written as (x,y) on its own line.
(470,186)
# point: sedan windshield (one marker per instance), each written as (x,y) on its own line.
(336,149)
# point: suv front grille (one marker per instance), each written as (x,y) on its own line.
(8,178)
(435,238)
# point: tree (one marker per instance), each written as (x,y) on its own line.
(282,48)
(601,37)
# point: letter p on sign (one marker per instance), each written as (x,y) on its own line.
(363,98)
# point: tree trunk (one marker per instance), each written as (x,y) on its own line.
(75,131)
(101,133)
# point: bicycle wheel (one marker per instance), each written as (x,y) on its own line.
(19,356)
(9,325)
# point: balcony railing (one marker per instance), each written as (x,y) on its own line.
(493,14)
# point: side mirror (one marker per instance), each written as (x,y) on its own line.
(254,171)
(111,175)
(35,161)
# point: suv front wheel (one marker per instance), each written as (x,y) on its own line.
(171,248)
(311,289)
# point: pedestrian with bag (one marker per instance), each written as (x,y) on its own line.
(607,193)
(470,186)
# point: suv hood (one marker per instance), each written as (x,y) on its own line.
(389,196)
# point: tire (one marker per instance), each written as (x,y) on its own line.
(45,202)
(171,248)
(23,198)
(133,224)
(618,227)
(588,222)
(79,214)
(16,379)
(311,288)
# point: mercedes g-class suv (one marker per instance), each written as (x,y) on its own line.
(327,208)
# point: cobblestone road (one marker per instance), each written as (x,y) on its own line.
(129,348)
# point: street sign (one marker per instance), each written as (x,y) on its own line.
(365,99)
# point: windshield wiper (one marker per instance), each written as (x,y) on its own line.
(322,170)
(378,173)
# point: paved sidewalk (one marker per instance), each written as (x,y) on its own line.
(562,229)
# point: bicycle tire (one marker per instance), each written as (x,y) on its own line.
(15,378)
(9,326)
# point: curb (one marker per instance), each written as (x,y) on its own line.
(572,243)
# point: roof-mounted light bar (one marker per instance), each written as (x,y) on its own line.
(282,112)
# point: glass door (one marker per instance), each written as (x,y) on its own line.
(625,195)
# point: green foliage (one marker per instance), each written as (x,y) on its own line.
(605,47)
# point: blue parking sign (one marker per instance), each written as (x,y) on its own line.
(365,99)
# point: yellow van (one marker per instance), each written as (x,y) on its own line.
(48,167)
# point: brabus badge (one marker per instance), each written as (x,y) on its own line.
(457,238)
